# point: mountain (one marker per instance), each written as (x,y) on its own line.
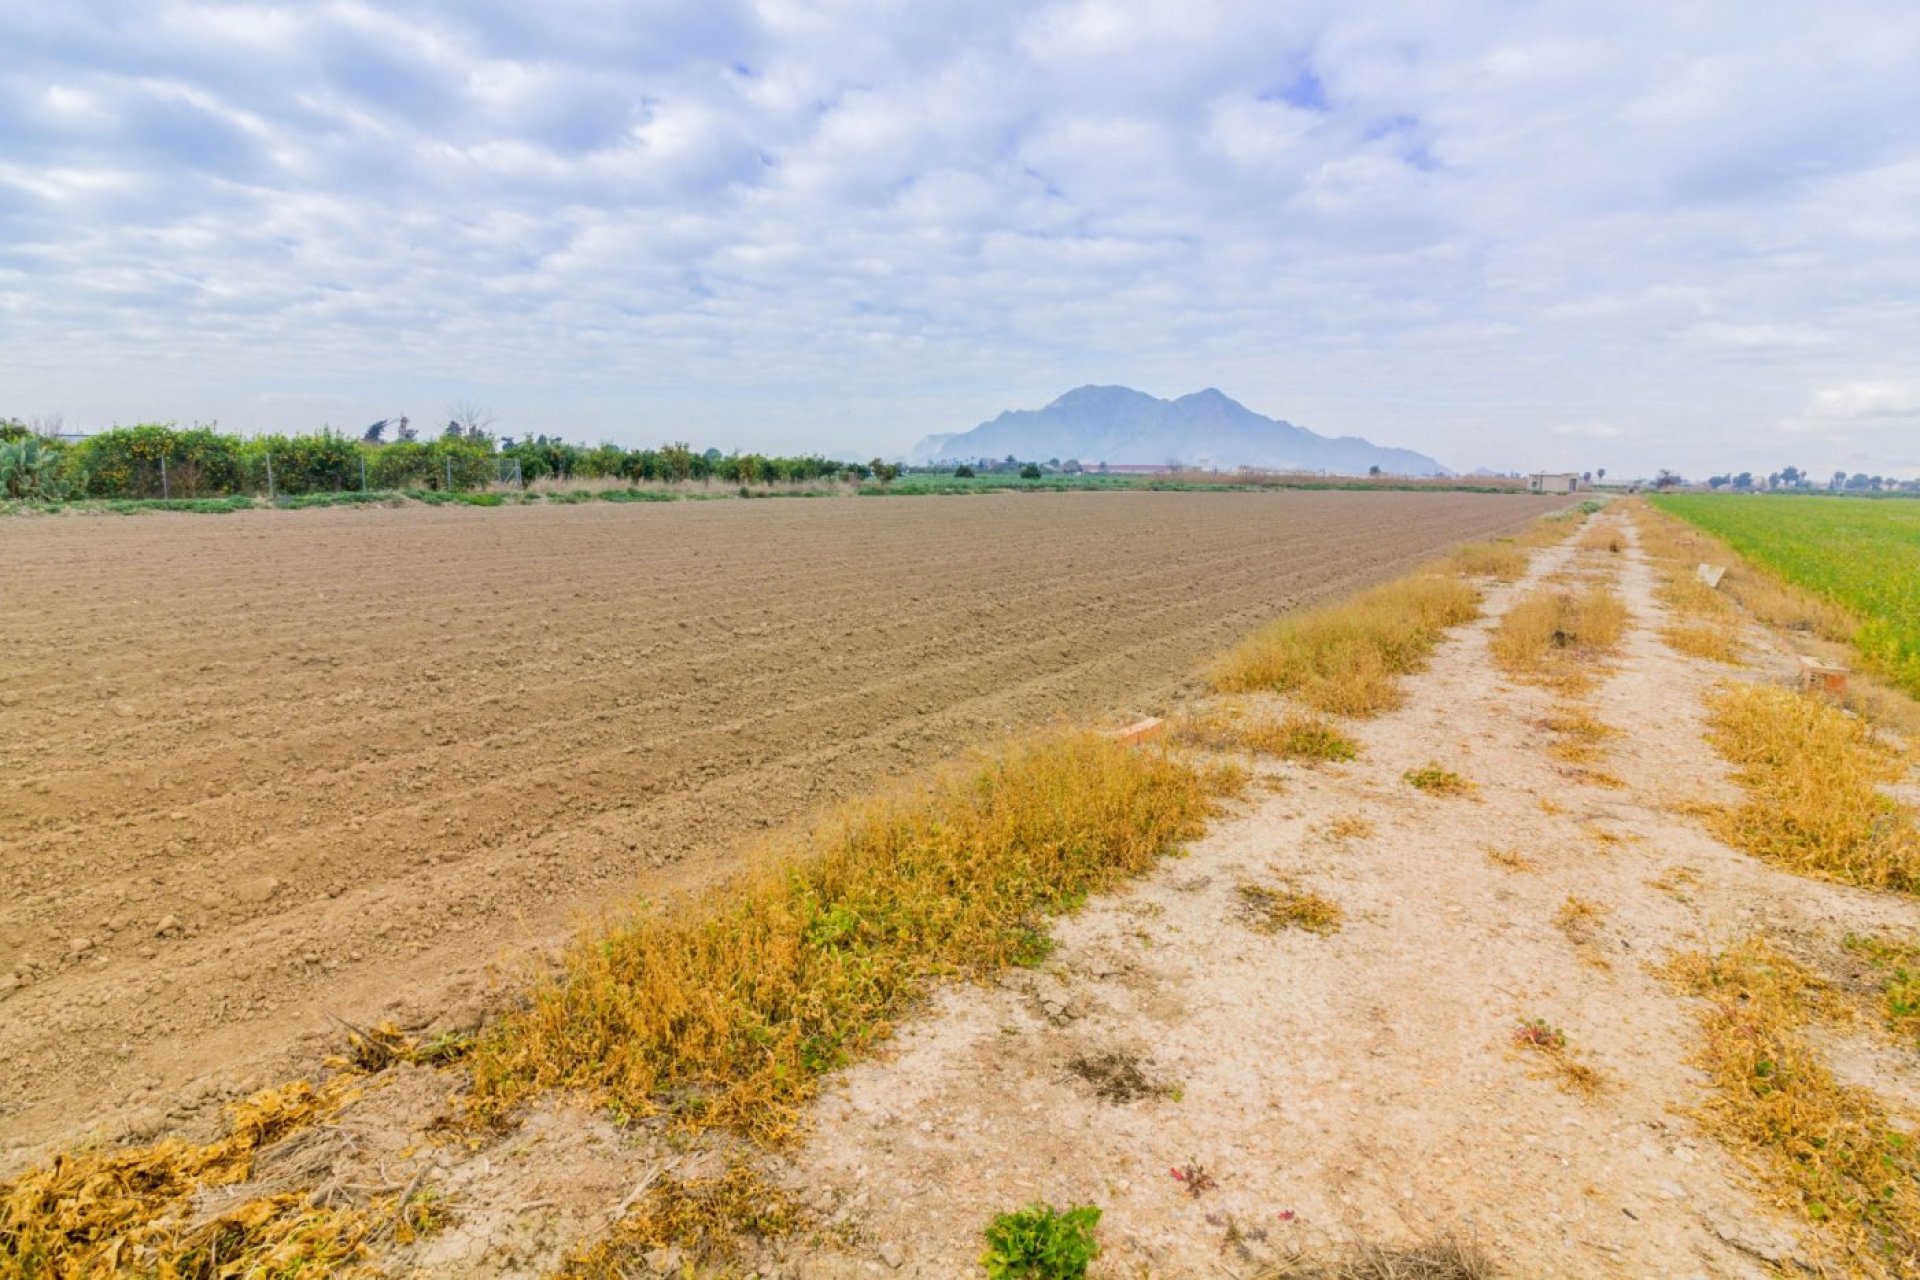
(1205,429)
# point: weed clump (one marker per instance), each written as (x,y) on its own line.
(1269,910)
(1348,827)
(1042,1243)
(1116,1077)
(1511,858)
(1347,658)
(728,1012)
(1440,1257)
(1580,920)
(704,1217)
(131,1212)
(1435,780)
(1829,1149)
(1293,737)
(1537,1035)
(1813,776)
(1716,642)
(1554,636)
(1898,967)
(1504,560)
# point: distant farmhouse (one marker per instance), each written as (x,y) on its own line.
(1553,482)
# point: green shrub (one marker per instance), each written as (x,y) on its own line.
(322,463)
(159,459)
(1041,1243)
(963,472)
(31,470)
(1030,472)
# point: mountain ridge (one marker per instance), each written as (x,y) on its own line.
(1206,428)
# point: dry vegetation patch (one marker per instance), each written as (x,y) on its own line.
(1436,780)
(1679,549)
(1348,658)
(1557,634)
(727,1013)
(1897,968)
(1118,1076)
(136,1212)
(1549,1043)
(1828,1149)
(1580,920)
(1289,737)
(1347,828)
(1813,777)
(1716,642)
(1444,1256)
(1511,859)
(1269,910)
(704,1219)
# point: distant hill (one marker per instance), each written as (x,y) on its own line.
(1205,429)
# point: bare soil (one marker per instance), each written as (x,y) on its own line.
(1369,1085)
(260,769)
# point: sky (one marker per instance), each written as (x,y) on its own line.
(1512,235)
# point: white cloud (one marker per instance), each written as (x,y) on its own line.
(1678,236)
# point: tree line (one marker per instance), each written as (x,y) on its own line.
(155,460)
(1795,478)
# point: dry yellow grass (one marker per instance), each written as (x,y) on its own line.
(1349,827)
(1714,641)
(1601,537)
(1579,744)
(1678,549)
(1271,910)
(1506,559)
(1290,737)
(1578,738)
(1348,658)
(1898,969)
(706,1218)
(1813,778)
(1556,635)
(1511,858)
(1578,916)
(1580,920)
(133,1212)
(1540,1037)
(1676,881)
(728,1012)
(1828,1149)
(1438,781)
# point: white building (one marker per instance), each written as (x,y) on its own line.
(1553,482)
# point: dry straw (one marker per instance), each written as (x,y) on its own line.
(1828,1149)
(726,1013)
(1813,776)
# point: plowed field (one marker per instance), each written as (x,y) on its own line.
(263,768)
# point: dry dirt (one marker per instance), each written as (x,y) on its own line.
(263,768)
(1363,1085)
(1366,1085)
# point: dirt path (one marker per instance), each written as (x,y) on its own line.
(1311,1091)
(256,769)
(1367,1084)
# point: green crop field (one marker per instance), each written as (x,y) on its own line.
(1863,553)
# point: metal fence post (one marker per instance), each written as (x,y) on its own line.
(269,477)
(165,492)
(363,473)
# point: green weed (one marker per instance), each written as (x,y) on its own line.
(1042,1243)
